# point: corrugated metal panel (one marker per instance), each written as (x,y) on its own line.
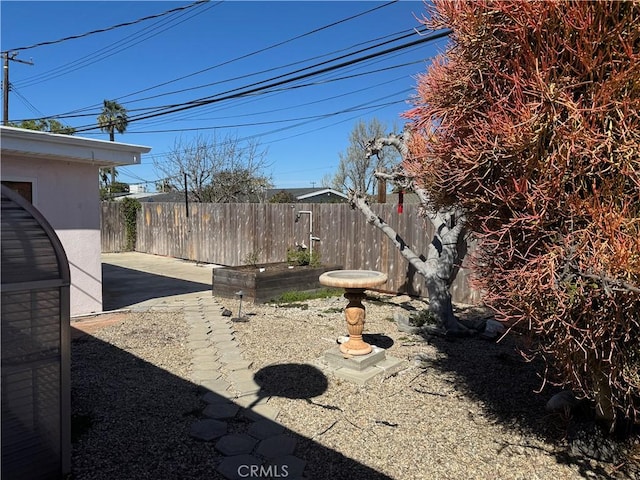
(27,251)
(34,346)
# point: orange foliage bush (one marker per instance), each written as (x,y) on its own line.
(531,123)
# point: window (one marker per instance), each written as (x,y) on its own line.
(25,189)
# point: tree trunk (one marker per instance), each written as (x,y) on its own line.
(437,270)
(443,256)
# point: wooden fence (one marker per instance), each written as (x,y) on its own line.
(232,234)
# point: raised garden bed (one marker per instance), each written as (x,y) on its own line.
(261,283)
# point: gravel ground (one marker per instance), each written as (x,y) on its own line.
(462,409)
(132,403)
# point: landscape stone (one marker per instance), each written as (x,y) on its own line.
(564,400)
(258,412)
(212,397)
(238,376)
(265,428)
(493,329)
(403,322)
(241,365)
(201,375)
(208,429)
(219,385)
(251,400)
(221,411)
(236,444)
(277,446)
(247,387)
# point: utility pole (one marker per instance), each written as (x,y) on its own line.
(8,56)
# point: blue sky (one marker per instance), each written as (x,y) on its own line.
(212,48)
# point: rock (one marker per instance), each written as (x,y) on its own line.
(562,401)
(227,313)
(402,321)
(208,429)
(493,329)
(477,324)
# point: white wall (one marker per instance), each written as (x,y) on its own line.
(66,193)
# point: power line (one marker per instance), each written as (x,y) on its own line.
(112,49)
(107,29)
(321,82)
(72,114)
(262,50)
(169,109)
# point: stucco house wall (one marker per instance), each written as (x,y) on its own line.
(63,171)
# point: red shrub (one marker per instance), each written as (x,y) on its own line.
(530,122)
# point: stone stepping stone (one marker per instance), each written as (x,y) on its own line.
(252,400)
(198,337)
(202,375)
(218,386)
(239,376)
(265,428)
(248,387)
(231,357)
(203,352)
(236,444)
(260,412)
(240,466)
(206,363)
(212,397)
(277,446)
(221,411)
(208,429)
(241,365)
(224,345)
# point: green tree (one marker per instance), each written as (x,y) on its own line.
(113,118)
(45,125)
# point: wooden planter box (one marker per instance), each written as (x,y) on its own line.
(261,286)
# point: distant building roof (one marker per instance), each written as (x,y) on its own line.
(169,197)
(310,195)
(304,195)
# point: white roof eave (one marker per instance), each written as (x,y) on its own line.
(321,192)
(32,143)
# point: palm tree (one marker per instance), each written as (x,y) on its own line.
(112,118)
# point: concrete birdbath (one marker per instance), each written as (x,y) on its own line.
(355,282)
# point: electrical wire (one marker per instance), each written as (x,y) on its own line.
(107,29)
(237,93)
(112,49)
(76,113)
(262,50)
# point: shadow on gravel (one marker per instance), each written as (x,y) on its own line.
(379,340)
(285,380)
(499,377)
(122,287)
(131,419)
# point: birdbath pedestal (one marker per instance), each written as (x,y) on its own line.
(354,282)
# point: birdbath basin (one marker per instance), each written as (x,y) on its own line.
(355,282)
